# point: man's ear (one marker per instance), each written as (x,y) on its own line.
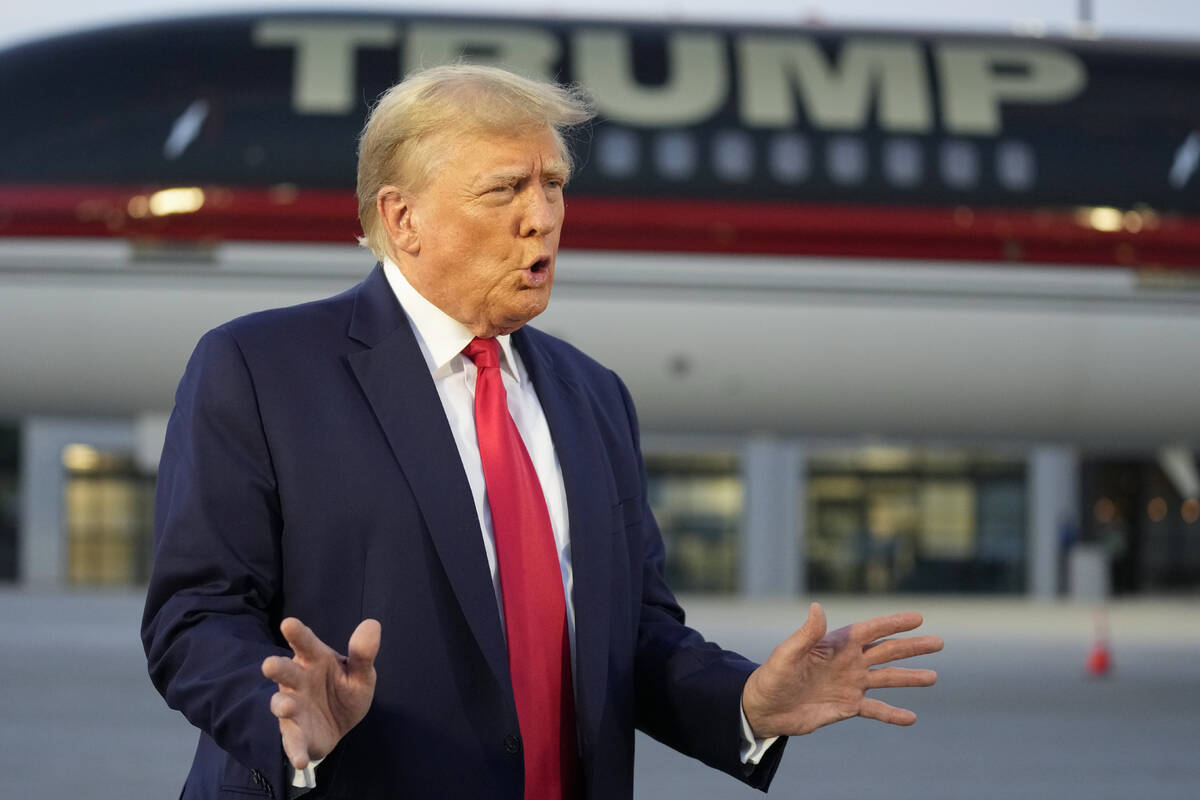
(396,214)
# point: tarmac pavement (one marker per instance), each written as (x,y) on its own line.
(1014,714)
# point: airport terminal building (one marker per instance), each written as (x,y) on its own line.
(901,312)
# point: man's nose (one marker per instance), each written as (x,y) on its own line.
(540,217)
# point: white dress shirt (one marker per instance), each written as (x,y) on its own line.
(441,339)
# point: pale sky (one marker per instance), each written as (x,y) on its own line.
(1174,19)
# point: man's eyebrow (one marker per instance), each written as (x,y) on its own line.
(557,169)
(554,169)
(504,176)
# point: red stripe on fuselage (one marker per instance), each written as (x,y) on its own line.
(291,214)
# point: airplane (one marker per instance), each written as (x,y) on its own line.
(780,237)
(812,231)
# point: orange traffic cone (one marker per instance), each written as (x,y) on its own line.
(1099,660)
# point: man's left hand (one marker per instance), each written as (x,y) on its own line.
(812,679)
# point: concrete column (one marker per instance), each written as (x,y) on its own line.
(1053,490)
(772,518)
(41,536)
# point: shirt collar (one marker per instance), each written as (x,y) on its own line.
(440,336)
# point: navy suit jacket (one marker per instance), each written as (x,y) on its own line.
(309,471)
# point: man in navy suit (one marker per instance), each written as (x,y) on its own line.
(323,463)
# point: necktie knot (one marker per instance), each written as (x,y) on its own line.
(483,352)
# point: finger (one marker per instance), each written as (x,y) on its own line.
(879,627)
(888,677)
(897,649)
(295,743)
(805,639)
(283,670)
(364,646)
(877,709)
(304,643)
(283,705)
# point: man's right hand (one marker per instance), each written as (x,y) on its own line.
(322,694)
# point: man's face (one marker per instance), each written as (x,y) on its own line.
(485,227)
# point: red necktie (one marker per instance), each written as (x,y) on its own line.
(535,612)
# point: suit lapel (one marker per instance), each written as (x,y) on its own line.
(396,381)
(585,470)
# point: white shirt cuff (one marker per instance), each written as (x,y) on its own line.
(307,778)
(752,749)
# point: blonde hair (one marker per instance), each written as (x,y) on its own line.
(395,145)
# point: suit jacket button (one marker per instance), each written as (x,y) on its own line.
(512,744)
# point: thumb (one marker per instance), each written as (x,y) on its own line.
(811,632)
(364,645)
